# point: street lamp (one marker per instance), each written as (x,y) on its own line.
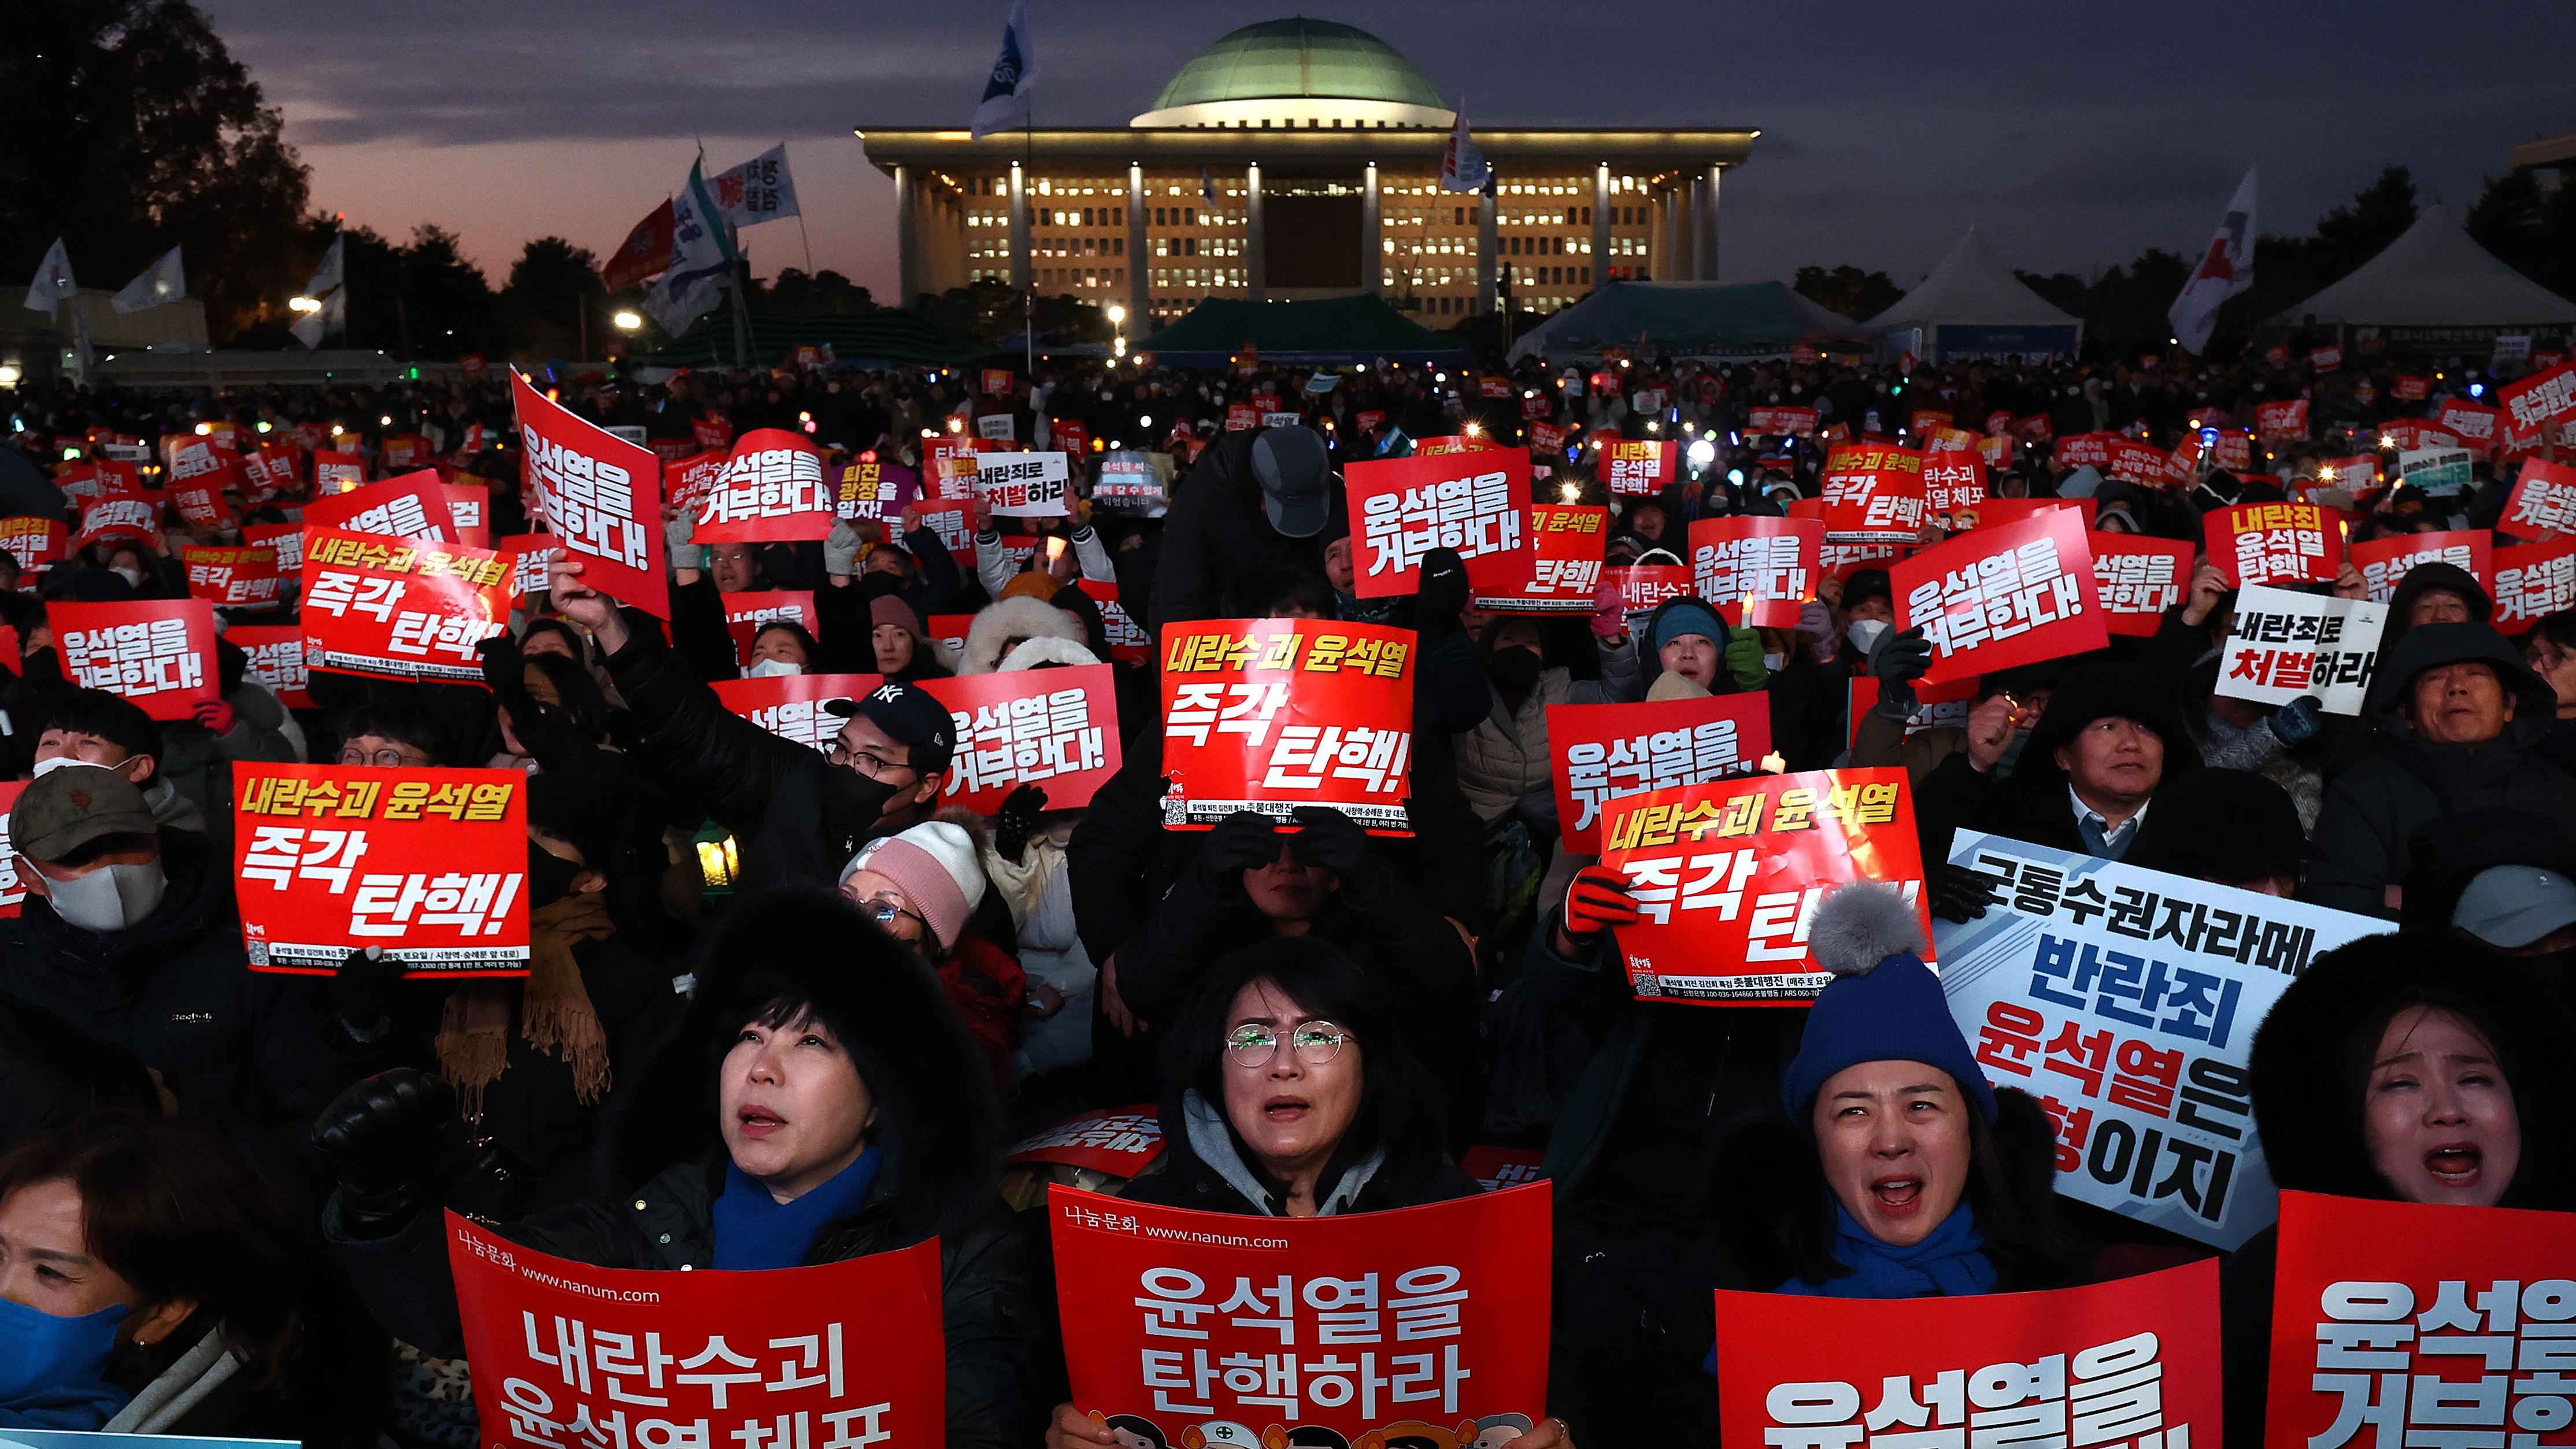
(1118,321)
(302,304)
(629,321)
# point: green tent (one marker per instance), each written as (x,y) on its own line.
(1343,329)
(881,337)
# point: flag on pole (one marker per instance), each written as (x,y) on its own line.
(2225,270)
(1207,187)
(53,280)
(160,282)
(328,287)
(701,259)
(646,251)
(1006,92)
(758,190)
(1462,166)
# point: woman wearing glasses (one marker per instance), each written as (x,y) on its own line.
(923,887)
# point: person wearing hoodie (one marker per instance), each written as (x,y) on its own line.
(2435,593)
(820,1101)
(1504,763)
(923,887)
(2461,721)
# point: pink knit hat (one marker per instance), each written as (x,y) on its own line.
(936,865)
(889,609)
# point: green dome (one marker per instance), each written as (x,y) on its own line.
(1299,58)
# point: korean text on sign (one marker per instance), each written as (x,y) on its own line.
(406,507)
(241,578)
(1271,714)
(2138,579)
(399,608)
(1119,1141)
(160,655)
(2126,1000)
(2533,582)
(430,865)
(1757,571)
(569,1356)
(1567,542)
(1874,494)
(1054,728)
(1637,466)
(1606,752)
(2264,543)
(598,493)
(791,706)
(771,491)
(2013,594)
(2384,563)
(2281,645)
(1727,874)
(2543,501)
(1363,1322)
(275,659)
(1476,503)
(1025,485)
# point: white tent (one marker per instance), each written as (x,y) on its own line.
(1973,306)
(2434,277)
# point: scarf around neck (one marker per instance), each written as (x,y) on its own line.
(756,1231)
(1949,1263)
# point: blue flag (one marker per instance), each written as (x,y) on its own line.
(1006,93)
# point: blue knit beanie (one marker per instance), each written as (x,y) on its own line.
(1883,1005)
(1685,615)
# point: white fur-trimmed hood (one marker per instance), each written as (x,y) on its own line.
(1020,618)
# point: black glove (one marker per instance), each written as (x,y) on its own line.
(1244,840)
(1443,595)
(1017,820)
(1331,839)
(1899,660)
(382,1135)
(1960,894)
(362,992)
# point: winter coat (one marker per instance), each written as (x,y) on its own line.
(987,987)
(2033,804)
(1506,757)
(995,566)
(1038,889)
(1216,529)
(1204,1170)
(2374,809)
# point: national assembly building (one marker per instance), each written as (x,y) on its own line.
(1300,159)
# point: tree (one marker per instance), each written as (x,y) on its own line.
(824,294)
(2531,230)
(992,311)
(555,303)
(134,131)
(1854,293)
(2288,269)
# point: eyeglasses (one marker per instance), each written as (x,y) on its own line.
(866,762)
(1252,1045)
(386,759)
(885,907)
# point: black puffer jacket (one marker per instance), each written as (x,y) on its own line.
(1216,529)
(2361,843)
(2032,804)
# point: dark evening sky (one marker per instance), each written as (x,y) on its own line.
(2071,135)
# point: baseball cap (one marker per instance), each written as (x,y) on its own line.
(910,716)
(64,809)
(1293,471)
(2507,906)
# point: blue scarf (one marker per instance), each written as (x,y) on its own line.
(1950,1263)
(756,1231)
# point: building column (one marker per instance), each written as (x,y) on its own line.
(1372,238)
(1488,265)
(1023,271)
(1256,270)
(1708,225)
(1140,295)
(907,238)
(1601,226)
(1677,258)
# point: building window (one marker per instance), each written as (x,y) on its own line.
(1587,276)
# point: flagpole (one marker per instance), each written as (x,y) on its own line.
(741,308)
(1029,299)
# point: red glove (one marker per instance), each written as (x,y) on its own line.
(215,715)
(1597,898)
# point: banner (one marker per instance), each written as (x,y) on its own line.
(2003,596)
(1567,541)
(1477,503)
(1639,589)
(2282,422)
(238,578)
(1055,728)
(1781,422)
(598,493)
(1936,706)
(160,654)
(1606,752)
(2473,423)
(400,609)
(1726,875)
(130,515)
(1024,485)
(790,706)
(1271,714)
(1413,1326)
(1760,572)
(744,614)
(1873,495)
(1115,1141)
(2540,399)
(2264,543)
(1132,482)
(2126,1000)
(876,492)
(836,1356)
(771,491)
(431,865)
(2134,1361)
(2140,463)
(2396,1322)
(2533,582)
(1635,466)
(2543,501)
(2138,578)
(36,543)
(2438,472)
(276,654)
(1953,480)
(2384,562)
(2281,645)
(411,506)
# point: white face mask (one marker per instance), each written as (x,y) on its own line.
(1775,662)
(111,898)
(132,577)
(772,669)
(1864,633)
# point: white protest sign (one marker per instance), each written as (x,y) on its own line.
(1000,427)
(2126,1001)
(2440,472)
(2284,644)
(1025,485)
(1281,420)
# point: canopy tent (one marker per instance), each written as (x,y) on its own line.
(882,336)
(1733,320)
(1339,329)
(2434,284)
(1973,306)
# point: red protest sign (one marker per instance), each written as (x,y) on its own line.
(2543,501)
(1642,588)
(1607,752)
(600,494)
(1271,714)
(129,514)
(2131,1361)
(1726,874)
(744,614)
(2139,463)
(839,1355)
(997,382)
(1241,417)
(949,468)
(2474,424)
(1128,641)
(336,472)
(36,543)
(529,555)
(1547,439)
(2282,421)
(1873,495)
(878,492)
(469,506)
(1423,1321)
(2081,450)
(1114,1141)
(404,450)
(1776,422)
(2534,402)
(771,491)
(1496,1168)
(956,530)
(1757,571)
(237,578)
(2036,428)
(1477,503)
(689,480)
(1640,466)
(159,653)
(2325,359)
(2371,1299)
(286,538)
(1927,421)
(1566,541)
(2384,562)
(1936,706)
(13,889)
(1072,438)
(2533,582)
(1054,728)
(431,865)
(1436,447)
(2138,578)
(2406,434)
(400,608)
(790,706)
(276,654)
(411,506)
(714,435)
(2270,543)
(2007,594)
(2407,387)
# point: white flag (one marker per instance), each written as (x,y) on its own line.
(161,282)
(2225,270)
(328,288)
(53,280)
(1462,166)
(758,190)
(701,259)
(1006,91)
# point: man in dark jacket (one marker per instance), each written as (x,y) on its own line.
(2460,720)
(2112,735)
(1253,499)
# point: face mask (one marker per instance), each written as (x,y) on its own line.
(853,807)
(39,1351)
(111,898)
(1775,662)
(772,669)
(1864,633)
(132,577)
(1513,670)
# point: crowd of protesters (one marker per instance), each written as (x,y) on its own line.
(219,1189)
